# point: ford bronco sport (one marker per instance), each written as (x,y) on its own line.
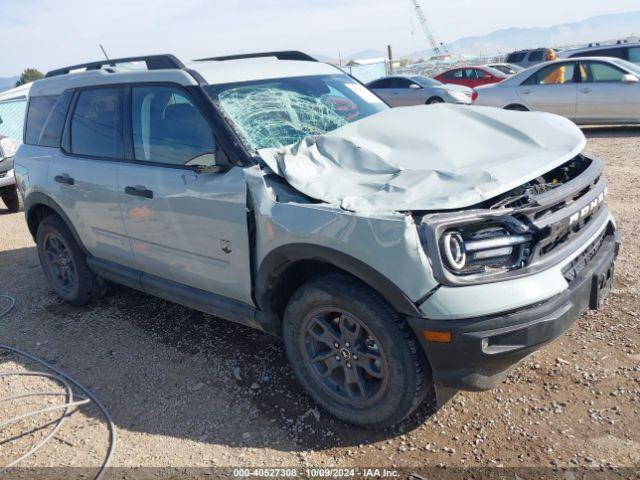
(394,251)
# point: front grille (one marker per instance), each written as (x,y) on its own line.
(565,235)
(572,270)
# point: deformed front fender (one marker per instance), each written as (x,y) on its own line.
(278,260)
(382,250)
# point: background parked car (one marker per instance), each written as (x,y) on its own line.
(506,68)
(416,90)
(526,58)
(471,76)
(591,90)
(625,51)
(8,190)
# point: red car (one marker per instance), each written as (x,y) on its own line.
(471,76)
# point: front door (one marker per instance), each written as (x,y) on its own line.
(604,98)
(183,226)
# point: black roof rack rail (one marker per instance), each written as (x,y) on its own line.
(154,62)
(283,55)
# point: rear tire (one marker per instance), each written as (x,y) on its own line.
(65,264)
(434,100)
(353,353)
(12,198)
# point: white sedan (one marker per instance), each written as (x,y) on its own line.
(593,90)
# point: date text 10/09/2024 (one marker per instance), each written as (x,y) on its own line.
(316,472)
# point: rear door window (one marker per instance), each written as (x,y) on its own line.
(516,57)
(96,126)
(556,74)
(400,83)
(383,83)
(37,114)
(536,55)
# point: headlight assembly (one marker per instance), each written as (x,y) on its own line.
(482,249)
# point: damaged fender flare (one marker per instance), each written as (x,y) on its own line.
(278,260)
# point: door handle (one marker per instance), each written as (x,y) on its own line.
(139,191)
(526,92)
(586,90)
(65,179)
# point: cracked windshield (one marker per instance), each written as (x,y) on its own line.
(280,112)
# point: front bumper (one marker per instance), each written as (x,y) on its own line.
(483,350)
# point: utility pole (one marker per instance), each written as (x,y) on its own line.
(390,55)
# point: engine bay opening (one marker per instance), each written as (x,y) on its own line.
(523,195)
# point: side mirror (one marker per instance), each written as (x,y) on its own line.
(629,78)
(217,162)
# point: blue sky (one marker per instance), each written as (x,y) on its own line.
(51,33)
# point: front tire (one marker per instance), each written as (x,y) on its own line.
(353,353)
(12,199)
(65,264)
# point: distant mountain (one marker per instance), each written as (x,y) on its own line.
(7,83)
(594,29)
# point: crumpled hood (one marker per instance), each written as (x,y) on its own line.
(432,157)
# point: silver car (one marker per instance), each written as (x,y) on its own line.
(590,90)
(402,91)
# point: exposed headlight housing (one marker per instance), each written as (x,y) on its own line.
(484,249)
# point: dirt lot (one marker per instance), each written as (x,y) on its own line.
(185,389)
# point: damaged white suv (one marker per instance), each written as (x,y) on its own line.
(393,250)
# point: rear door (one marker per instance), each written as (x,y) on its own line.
(84,173)
(382,88)
(456,77)
(604,98)
(406,92)
(183,226)
(551,89)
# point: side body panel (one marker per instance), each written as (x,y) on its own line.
(608,102)
(388,244)
(194,229)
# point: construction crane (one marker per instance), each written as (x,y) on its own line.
(437,47)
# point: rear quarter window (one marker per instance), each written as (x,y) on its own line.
(37,115)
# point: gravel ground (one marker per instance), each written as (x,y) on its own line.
(187,390)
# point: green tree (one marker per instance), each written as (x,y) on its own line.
(29,75)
